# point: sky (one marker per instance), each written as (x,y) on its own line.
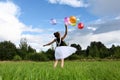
(30,19)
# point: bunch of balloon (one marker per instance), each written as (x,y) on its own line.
(70,20)
(73,21)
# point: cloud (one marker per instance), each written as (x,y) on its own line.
(84,40)
(72,3)
(91,28)
(117,18)
(11,28)
(104,7)
(107,38)
(32,30)
(107,31)
(107,26)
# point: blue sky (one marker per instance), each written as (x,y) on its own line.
(39,12)
(31,19)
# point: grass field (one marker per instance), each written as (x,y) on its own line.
(73,70)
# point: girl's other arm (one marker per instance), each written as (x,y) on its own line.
(49,43)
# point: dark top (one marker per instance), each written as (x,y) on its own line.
(59,42)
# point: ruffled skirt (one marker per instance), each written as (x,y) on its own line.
(63,52)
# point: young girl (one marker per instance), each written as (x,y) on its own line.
(62,51)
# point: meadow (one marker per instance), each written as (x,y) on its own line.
(73,70)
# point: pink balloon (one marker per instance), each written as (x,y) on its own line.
(66,21)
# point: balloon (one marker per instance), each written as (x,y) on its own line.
(53,21)
(73,19)
(66,20)
(73,24)
(80,25)
(78,20)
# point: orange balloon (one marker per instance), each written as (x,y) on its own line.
(73,19)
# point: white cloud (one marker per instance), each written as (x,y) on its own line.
(106,38)
(107,26)
(53,1)
(117,18)
(73,3)
(104,25)
(105,7)
(37,41)
(11,28)
(31,29)
(92,28)
(106,31)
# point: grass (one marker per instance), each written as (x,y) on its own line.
(73,70)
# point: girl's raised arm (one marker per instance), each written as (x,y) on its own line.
(66,31)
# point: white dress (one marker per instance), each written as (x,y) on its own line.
(62,52)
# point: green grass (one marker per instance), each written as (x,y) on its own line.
(73,70)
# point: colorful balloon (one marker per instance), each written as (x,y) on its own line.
(73,19)
(53,21)
(66,21)
(73,24)
(80,25)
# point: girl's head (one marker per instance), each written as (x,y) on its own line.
(57,34)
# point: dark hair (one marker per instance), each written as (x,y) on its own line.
(56,34)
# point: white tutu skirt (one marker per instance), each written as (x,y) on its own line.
(62,52)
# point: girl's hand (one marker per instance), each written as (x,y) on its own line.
(44,45)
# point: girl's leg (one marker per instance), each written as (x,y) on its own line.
(55,64)
(62,63)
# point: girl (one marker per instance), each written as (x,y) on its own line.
(62,51)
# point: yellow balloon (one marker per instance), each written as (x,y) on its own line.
(73,19)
